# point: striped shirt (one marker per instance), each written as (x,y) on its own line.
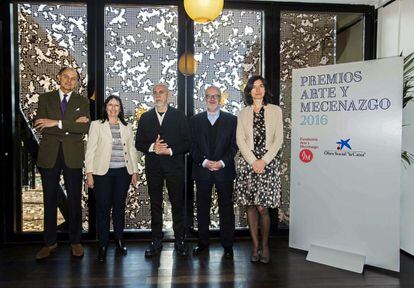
(117,156)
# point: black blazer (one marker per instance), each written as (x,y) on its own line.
(225,146)
(174,131)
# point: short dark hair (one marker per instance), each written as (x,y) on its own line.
(248,100)
(121,111)
(64,68)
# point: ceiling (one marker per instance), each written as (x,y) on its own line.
(376,3)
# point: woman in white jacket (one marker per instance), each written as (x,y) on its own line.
(111,166)
(259,137)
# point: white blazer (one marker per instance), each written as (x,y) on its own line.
(274,132)
(99,148)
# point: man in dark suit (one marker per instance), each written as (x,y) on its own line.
(163,136)
(62,118)
(213,149)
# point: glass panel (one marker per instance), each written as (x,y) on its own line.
(228,51)
(140,51)
(49,37)
(311,39)
(349,37)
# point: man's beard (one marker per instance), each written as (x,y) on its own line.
(159,104)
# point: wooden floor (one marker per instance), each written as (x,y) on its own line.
(288,268)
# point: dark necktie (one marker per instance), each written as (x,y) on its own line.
(63,104)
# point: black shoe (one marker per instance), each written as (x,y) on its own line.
(181,248)
(228,252)
(153,249)
(199,248)
(102,254)
(120,247)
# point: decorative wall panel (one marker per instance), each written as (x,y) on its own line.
(228,51)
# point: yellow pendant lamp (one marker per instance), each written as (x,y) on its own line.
(203,11)
(187,64)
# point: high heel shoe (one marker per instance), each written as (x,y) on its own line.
(255,258)
(102,254)
(120,247)
(265,259)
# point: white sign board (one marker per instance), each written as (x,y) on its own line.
(346,146)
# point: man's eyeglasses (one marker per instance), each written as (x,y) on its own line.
(214,96)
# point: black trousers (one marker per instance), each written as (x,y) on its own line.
(73,186)
(110,192)
(175,186)
(226,211)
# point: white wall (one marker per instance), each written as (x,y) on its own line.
(395,35)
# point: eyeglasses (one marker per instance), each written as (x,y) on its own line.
(214,96)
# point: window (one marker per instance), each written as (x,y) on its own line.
(49,37)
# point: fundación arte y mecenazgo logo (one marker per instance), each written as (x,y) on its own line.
(344,148)
(307,145)
(305,155)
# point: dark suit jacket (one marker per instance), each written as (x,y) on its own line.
(225,146)
(174,131)
(72,134)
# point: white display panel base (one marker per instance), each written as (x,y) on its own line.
(336,258)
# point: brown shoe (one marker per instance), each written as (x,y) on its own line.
(46,251)
(77,250)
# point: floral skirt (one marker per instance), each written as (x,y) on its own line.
(258,189)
